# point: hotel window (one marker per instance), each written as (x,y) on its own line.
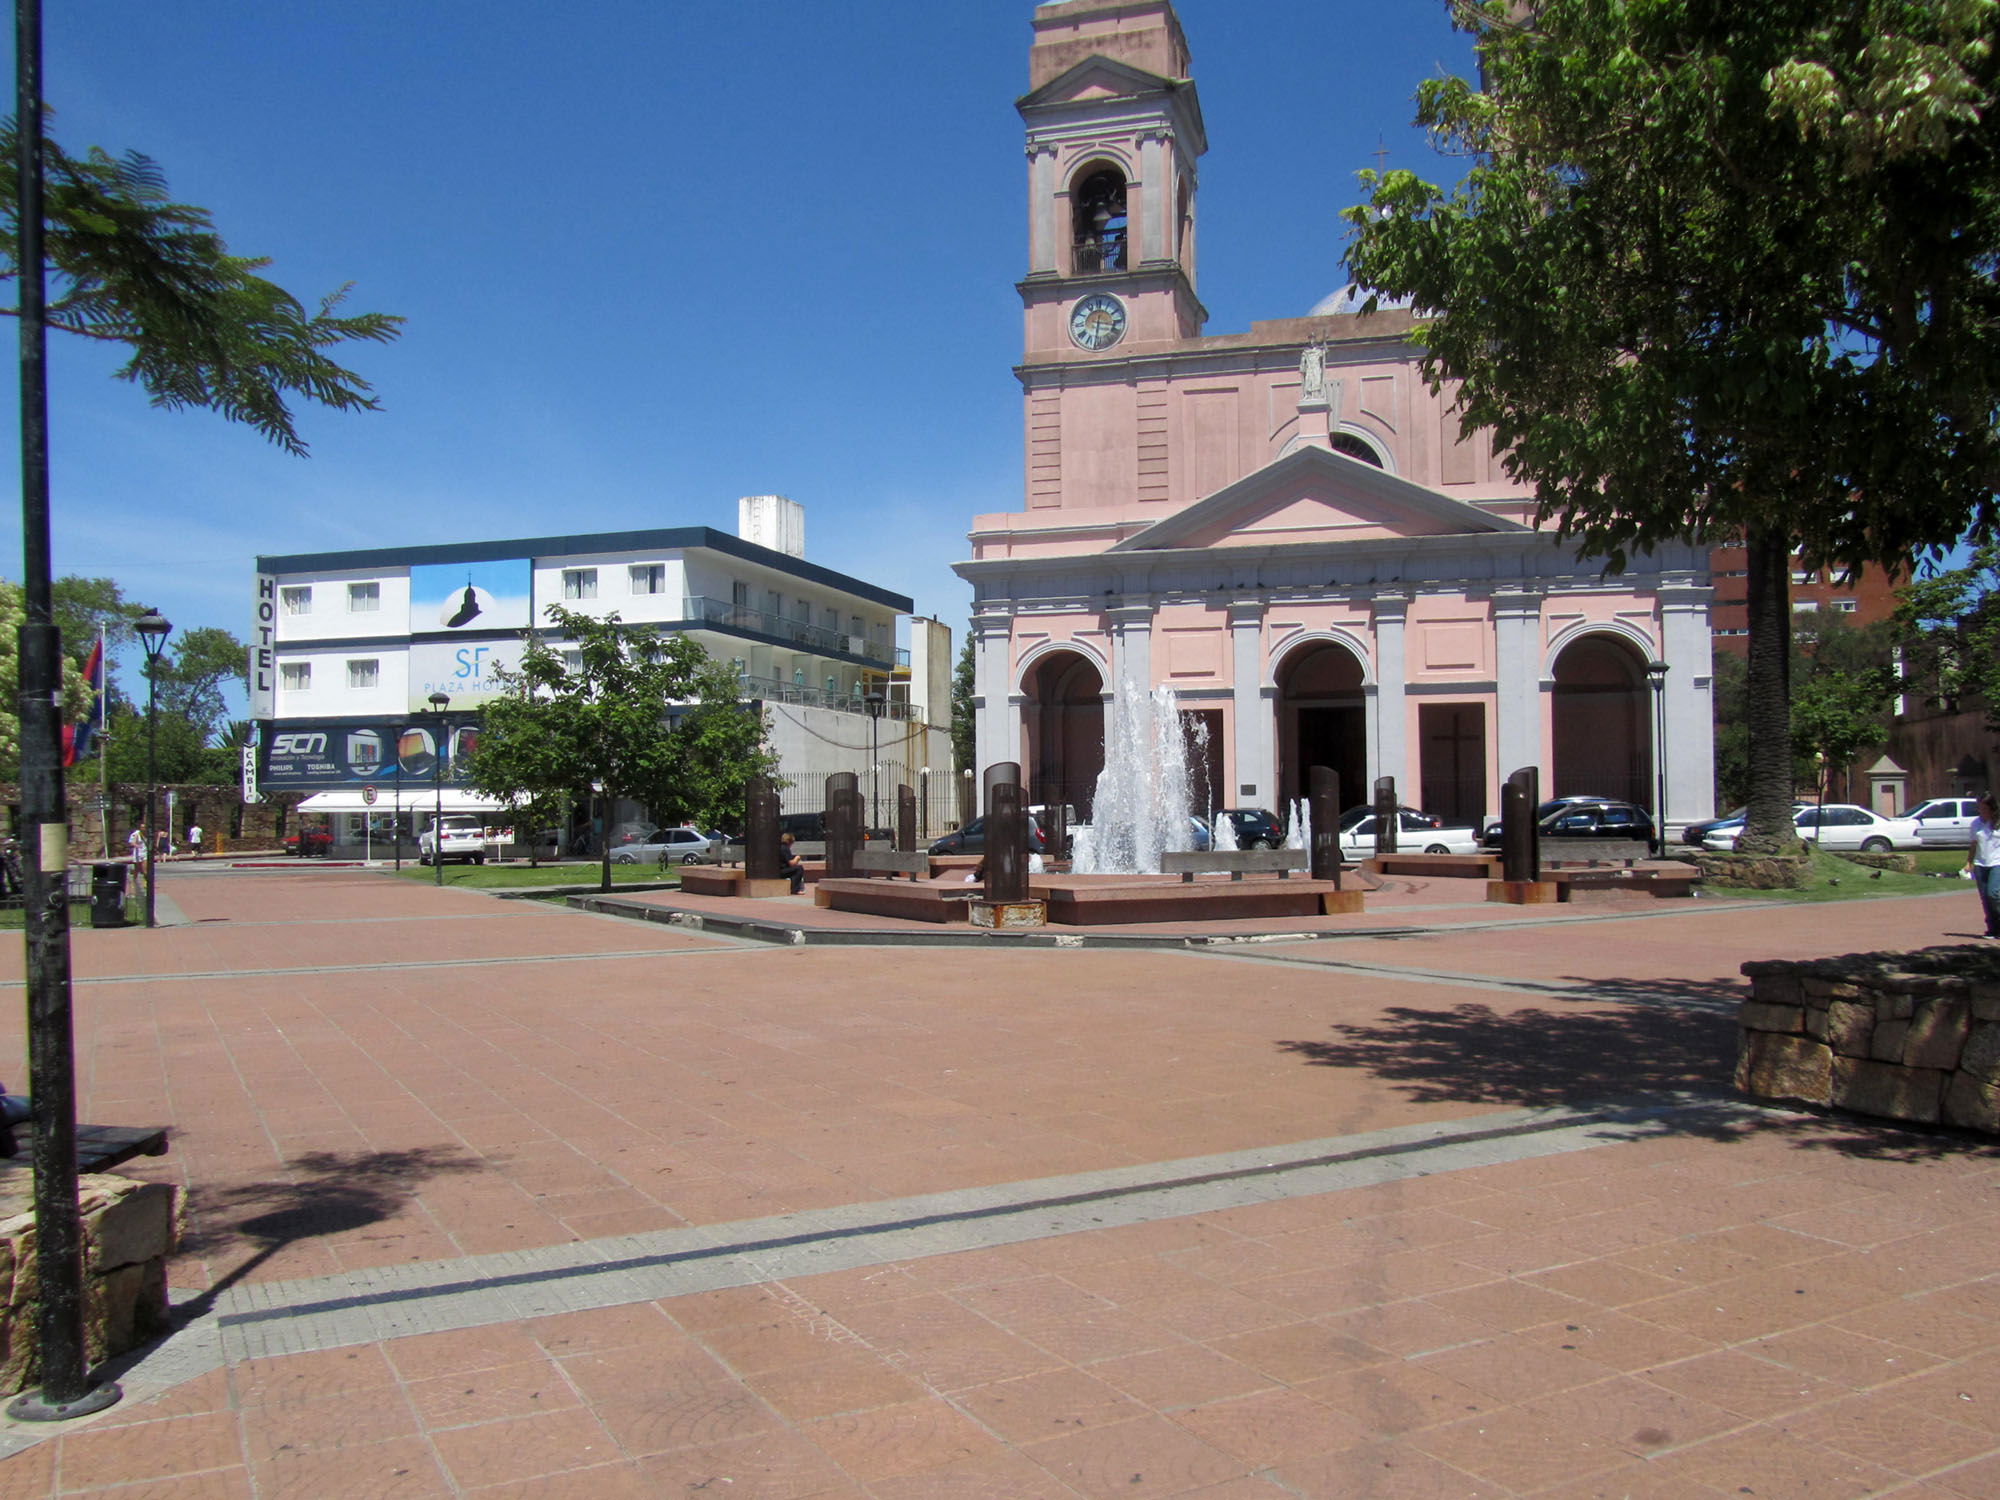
(295,676)
(649,578)
(774,604)
(364,672)
(573,662)
(296,600)
(854,624)
(829,620)
(579,583)
(364,598)
(1843,606)
(1802,575)
(802,611)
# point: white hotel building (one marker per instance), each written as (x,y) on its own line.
(349,647)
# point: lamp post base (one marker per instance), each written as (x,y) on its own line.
(32,1406)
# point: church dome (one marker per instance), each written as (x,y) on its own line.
(1349,299)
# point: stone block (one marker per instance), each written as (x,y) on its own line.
(1849,1024)
(1524,892)
(1007,914)
(1771,1066)
(1973,1104)
(1890,1005)
(1341,903)
(1986,1001)
(1887,1043)
(1819,987)
(1888,1090)
(139,1223)
(1777,989)
(1981,1057)
(1756,1015)
(1815,1026)
(1937,1033)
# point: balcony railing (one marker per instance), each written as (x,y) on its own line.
(798,632)
(773,691)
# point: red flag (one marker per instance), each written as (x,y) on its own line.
(77,737)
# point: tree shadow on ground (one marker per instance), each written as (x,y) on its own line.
(1531,1057)
(325,1193)
(1675,1037)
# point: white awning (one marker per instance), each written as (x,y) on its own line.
(388,800)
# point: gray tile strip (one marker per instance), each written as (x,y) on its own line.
(265,1319)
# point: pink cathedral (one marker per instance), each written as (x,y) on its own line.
(1285,525)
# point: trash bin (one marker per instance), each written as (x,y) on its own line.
(107,895)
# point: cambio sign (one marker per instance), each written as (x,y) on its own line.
(263,664)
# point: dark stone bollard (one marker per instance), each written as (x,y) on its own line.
(1323,792)
(763,858)
(906,820)
(1006,834)
(1520,841)
(843,823)
(1388,815)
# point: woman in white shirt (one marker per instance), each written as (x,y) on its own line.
(1983,860)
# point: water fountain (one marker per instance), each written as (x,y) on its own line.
(1145,793)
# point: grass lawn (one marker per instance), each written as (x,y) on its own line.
(514,876)
(79,915)
(1832,878)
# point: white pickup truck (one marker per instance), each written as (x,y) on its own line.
(465,839)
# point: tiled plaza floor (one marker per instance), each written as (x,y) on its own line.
(365,1075)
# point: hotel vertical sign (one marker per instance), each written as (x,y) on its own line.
(263,678)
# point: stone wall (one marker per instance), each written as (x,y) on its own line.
(220,810)
(1746,872)
(1907,1036)
(129,1230)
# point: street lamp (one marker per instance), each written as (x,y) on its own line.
(874,705)
(439,703)
(152,629)
(1656,673)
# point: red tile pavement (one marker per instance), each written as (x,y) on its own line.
(1796,1307)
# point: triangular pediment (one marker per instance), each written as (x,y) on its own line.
(1314,496)
(1096,78)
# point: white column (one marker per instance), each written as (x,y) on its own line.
(1390,740)
(1255,765)
(1689,706)
(1042,244)
(1517,634)
(1131,645)
(991,688)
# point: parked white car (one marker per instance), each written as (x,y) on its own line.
(666,846)
(1838,825)
(1945,822)
(1416,834)
(465,839)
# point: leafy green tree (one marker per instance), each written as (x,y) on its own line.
(1950,619)
(130,266)
(76,691)
(640,715)
(193,673)
(964,730)
(1719,270)
(82,606)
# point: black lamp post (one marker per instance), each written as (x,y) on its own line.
(1656,673)
(874,705)
(439,703)
(152,630)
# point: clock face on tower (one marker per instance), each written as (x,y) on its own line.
(1097,322)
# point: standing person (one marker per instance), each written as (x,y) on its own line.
(165,848)
(1983,860)
(136,842)
(194,838)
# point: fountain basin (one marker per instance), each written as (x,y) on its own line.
(1106,900)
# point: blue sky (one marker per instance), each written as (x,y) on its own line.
(653,256)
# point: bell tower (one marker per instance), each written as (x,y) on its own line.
(1113,133)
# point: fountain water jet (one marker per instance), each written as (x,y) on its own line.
(1144,801)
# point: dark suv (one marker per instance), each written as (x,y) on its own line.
(1598,820)
(1255,828)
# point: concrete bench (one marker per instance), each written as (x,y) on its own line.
(1238,862)
(912,900)
(1662,883)
(887,861)
(1439,866)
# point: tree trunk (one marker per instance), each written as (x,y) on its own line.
(1767,829)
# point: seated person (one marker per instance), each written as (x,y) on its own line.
(795,868)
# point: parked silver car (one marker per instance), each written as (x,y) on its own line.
(667,846)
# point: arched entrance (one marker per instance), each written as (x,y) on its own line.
(1064,718)
(1602,735)
(1322,720)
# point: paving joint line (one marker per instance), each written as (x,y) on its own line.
(405,965)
